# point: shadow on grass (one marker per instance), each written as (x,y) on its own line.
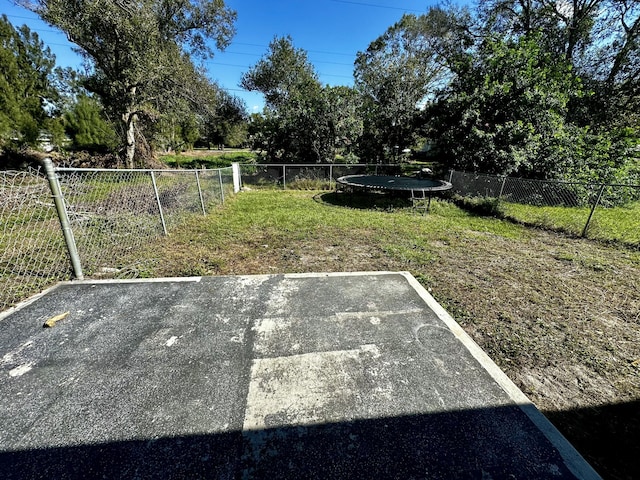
(498,443)
(608,436)
(365,200)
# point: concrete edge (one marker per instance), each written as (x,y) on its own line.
(103,281)
(28,301)
(337,274)
(572,458)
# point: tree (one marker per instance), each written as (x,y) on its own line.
(400,71)
(141,51)
(505,111)
(228,125)
(85,124)
(25,85)
(294,102)
(600,39)
(343,120)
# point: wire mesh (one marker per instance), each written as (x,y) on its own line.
(112,215)
(179,196)
(617,215)
(546,193)
(216,185)
(608,212)
(226,177)
(116,213)
(33,253)
(292,175)
(471,185)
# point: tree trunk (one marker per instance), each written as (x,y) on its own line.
(129,121)
(129,118)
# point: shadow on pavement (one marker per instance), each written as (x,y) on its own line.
(497,443)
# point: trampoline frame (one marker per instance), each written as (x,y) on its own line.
(424,193)
(440,186)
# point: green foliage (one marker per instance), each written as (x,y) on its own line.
(293,95)
(208,161)
(486,206)
(598,39)
(86,126)
(229,124)
(141,54)
(505,111)
(396,75)
(25,85)
(303,121)
(342,121)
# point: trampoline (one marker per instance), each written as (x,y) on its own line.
(418,188)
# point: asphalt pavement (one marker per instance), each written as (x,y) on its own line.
(357,376)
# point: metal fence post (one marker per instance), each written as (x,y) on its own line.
(64,219)
(593,209)
(221,185)
(450,176)
(284,177)
(504,179)
(200,193)
(155,189)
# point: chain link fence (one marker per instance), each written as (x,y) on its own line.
(33,254)
(108,216)
(605,212)
(302,176)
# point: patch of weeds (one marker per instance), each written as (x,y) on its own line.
(412,254)
(484,206)
(309,184)
(445,208)
(207,160)
(424,279)
(563,257)
(456,309)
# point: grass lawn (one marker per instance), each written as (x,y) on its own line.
(208,158)
(560,315)
(620,224)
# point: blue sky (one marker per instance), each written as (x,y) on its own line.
(331,31)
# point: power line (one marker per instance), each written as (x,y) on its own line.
(377,6)
(60,32)
(249,66)
(255,54)
(310,51)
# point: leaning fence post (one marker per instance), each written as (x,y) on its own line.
(200,193)
(450,176)
(155,189)
(504,179)
(593,209)
(64,219)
